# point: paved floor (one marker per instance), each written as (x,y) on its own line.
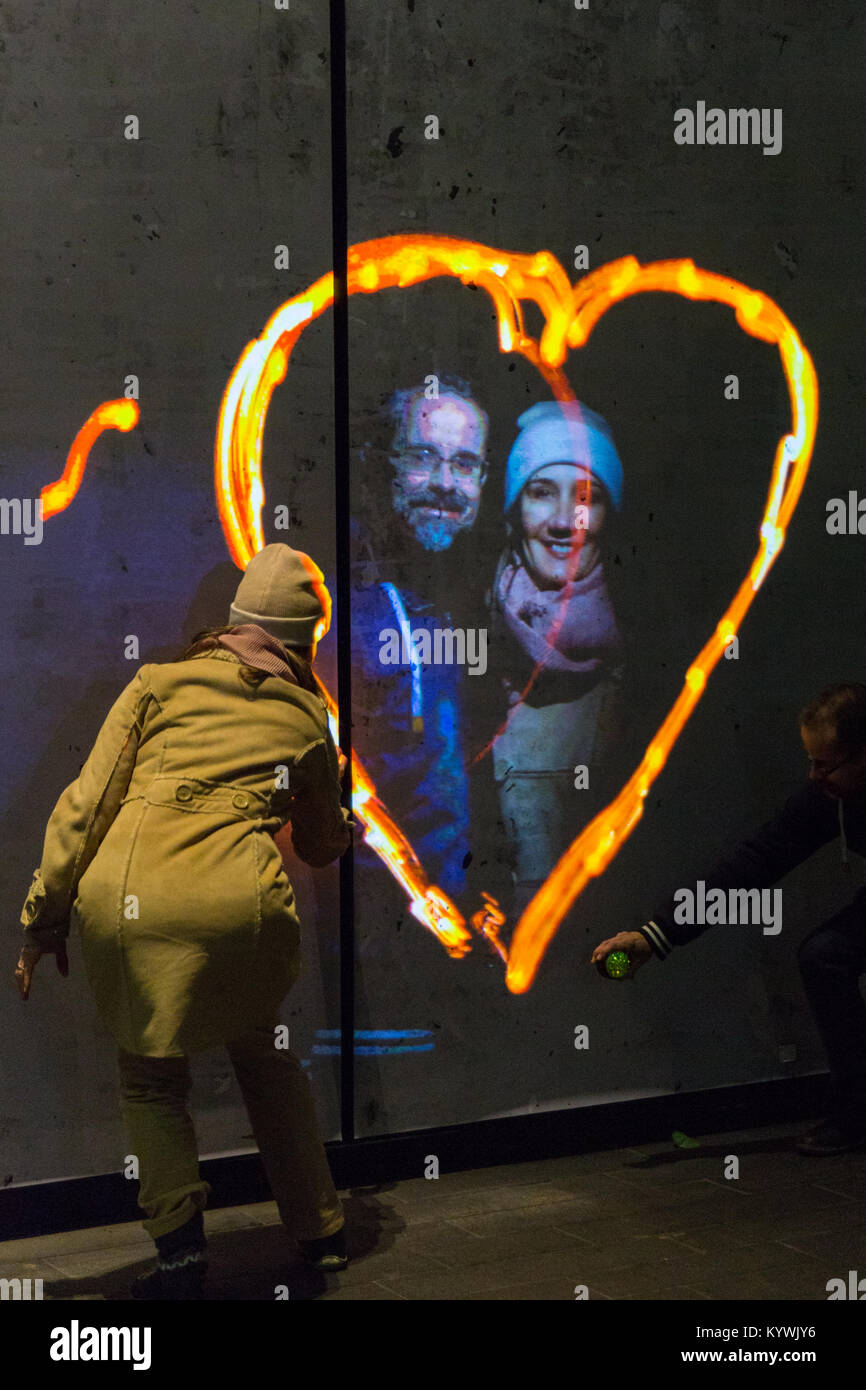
(659,1222)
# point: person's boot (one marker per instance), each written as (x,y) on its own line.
(181,1267)
(326,1253)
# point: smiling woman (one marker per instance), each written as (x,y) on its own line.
(558,649)
(561,518)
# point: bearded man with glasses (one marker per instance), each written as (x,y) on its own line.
(415,500)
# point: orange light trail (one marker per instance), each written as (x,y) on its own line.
(427,903)
(570,313)
(385,263)
(592,850)
(388,262)
(111,415)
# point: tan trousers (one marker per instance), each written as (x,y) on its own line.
(154,1092)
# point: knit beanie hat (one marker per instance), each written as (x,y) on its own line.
(563,432)
(284,592)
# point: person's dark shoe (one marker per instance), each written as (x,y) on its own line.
(830,1138)
(181,1268)
(326,1253)
(176,1280)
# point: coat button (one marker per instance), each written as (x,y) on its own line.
(240,801)
(183,792)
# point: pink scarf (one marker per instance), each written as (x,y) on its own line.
(567,629)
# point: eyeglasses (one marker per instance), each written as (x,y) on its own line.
(426,461)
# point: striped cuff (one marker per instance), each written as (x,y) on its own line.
(657,939)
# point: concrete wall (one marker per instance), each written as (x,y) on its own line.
(156,257)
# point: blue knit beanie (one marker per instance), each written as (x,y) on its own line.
(563,432)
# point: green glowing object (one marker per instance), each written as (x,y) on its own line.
(617,964)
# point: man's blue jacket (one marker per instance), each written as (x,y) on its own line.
(406,726)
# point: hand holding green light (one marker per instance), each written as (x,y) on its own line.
(621,956)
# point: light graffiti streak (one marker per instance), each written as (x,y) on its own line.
(111,415)
(388,262)
(592,850)
(570,313)
(428,904)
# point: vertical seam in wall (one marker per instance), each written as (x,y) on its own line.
(342,511)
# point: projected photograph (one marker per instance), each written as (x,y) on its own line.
(433,729)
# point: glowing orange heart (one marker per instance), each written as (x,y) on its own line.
(570,314)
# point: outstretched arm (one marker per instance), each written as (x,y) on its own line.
(807,821)
(321,827)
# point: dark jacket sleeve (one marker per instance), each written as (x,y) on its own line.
(808,820)
(321,827)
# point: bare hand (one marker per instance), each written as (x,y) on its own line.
(30,954)
(633,942)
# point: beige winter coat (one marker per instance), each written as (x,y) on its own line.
(162,851)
